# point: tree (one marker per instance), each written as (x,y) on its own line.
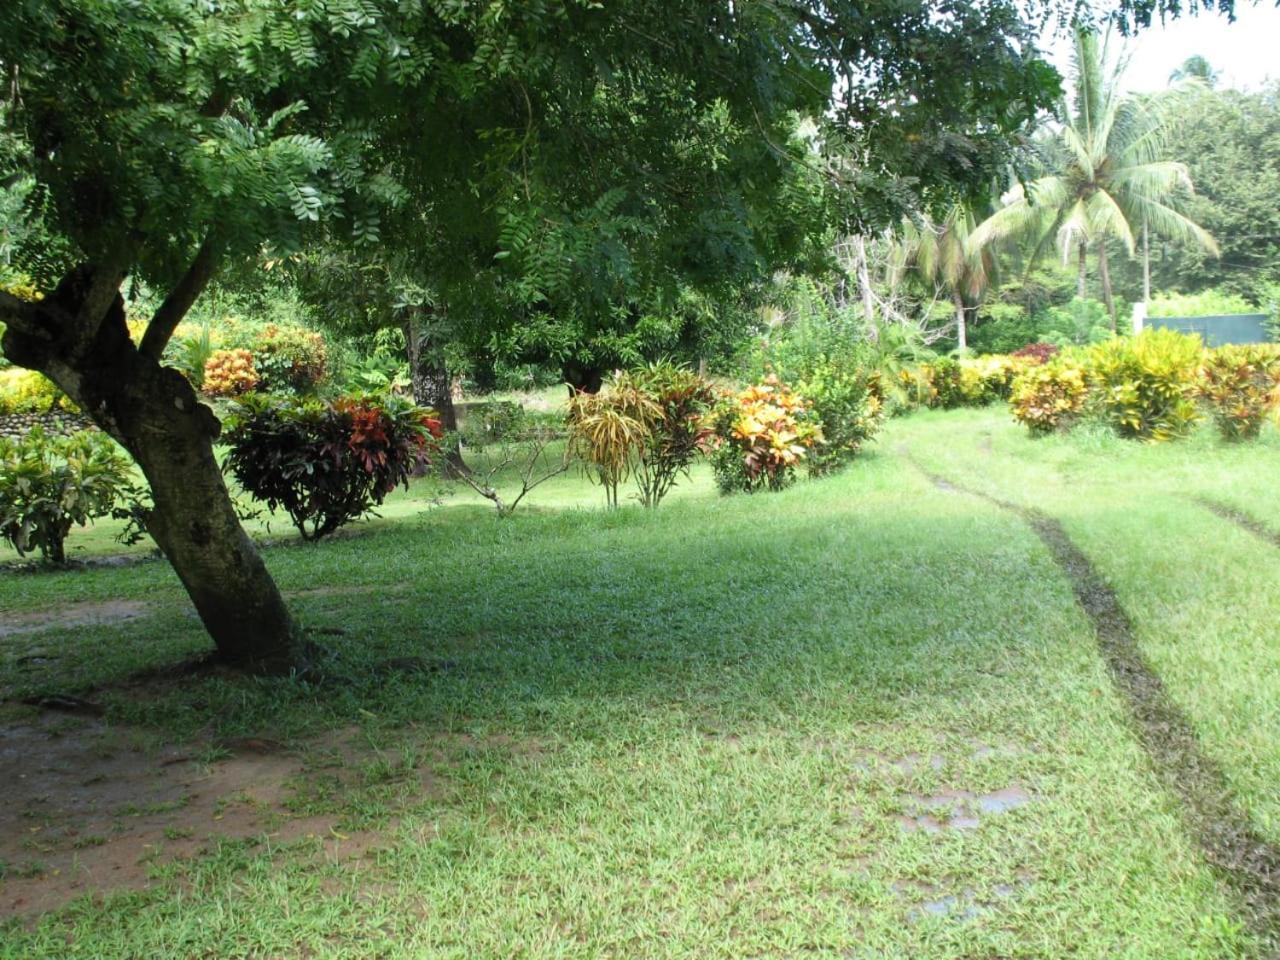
(1195,68)
(1112,179)
(945,255)
(173,137)
(1230,142)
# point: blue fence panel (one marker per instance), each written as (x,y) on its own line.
(1215,331)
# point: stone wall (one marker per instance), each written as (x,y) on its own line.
(58,422)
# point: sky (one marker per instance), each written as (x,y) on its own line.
(1245,52)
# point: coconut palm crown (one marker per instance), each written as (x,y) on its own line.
(1111,178)
(943,252)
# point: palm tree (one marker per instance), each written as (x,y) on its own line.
(1112,178)
(944,253)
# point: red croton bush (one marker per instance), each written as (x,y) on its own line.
(1037,352)
(326,464)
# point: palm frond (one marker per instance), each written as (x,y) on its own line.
(1107,219)
(1168,222)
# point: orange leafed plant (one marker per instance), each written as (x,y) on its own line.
(1241,384)
(762,434)
(229,373)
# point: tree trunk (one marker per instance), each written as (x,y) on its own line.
(1104,274)
(864,283)
(581,377)
(1082,276)
(961,339)
(1146,263)
(154,414)
(432,385)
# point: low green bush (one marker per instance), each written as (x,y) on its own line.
(290,358)
(1145,386)
(1079,322)
(1206,303)
(189,351)
(1241,385)
(494,421)
(326,464)
(848,404)
(49,484)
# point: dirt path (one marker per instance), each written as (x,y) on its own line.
(1240,519)
(1246,860)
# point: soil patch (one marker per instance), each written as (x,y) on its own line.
(84,809)
(74,615)
(1244,858)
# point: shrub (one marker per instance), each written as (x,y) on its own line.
(1241,383)
(1001,328)
(189,352)
(1081,321)
(948,388)
(916,388)
(1049,397)
(494,421)
(20,286)
(26,391)
(848,406)
(290,358)
(229,373)
(326,464)
(1206,303)
(1145,386)
(1037,352)
(676,433)
(48,484)
(761,435)
(990,378)
(609,428)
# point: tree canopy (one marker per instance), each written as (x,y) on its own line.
(570,158)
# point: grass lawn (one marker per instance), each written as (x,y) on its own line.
(864,718)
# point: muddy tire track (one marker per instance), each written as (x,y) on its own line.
(1247,861)
(1240,519)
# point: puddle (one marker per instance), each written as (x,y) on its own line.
(1247,859)
(934,900)
(1002,801)
(952,809)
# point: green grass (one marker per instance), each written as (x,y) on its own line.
(1199,589)
(696,732)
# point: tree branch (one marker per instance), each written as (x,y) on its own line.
(181,297)
(19,314)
